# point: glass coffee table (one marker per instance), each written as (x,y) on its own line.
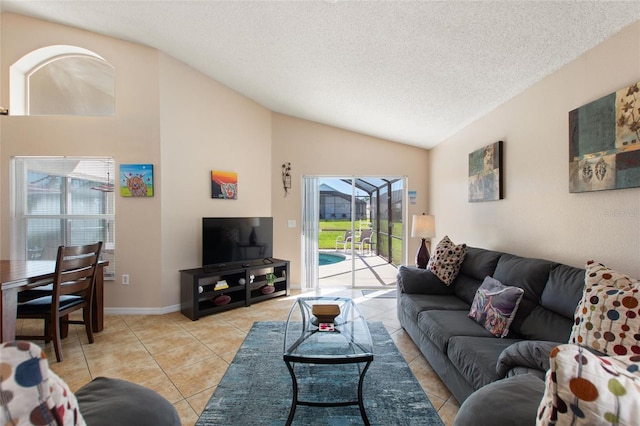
(348,341)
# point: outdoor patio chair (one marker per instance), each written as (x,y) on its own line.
(344,240)
(365,238)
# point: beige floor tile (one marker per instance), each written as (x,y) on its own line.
(182,356)
(428,378)
(197,377)
(165,387)
(188,417)
(199,401)
(104,357)
(168,342)
(138,371)
(225,342)
(448,411)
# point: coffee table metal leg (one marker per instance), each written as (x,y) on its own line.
(294,401)
(360,398)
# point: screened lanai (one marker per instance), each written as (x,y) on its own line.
(361,231)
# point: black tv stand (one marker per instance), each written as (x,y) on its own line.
(199,296)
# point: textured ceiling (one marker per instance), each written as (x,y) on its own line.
(411,72)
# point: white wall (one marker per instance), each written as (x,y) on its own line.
(539,217)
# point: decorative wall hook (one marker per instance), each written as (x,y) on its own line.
(286,177)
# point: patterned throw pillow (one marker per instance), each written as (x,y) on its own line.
(446,260)
(31,393)
(495,305)
(607,318)
(584,389)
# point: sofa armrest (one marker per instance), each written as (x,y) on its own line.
(421,281)
(109,401)
(528,354)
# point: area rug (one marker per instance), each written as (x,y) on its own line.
(256,389)
(385,294)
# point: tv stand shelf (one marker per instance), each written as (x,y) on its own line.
(246,280)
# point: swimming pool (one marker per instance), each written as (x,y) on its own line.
(330,258)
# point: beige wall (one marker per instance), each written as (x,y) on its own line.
(539,217)
(132,136)
(186,125)
(316,149)
(206,126)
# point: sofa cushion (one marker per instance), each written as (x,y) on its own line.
(543,324)
(440,326)
(479,263)
(495,305)
(413,304)
(475,357)
(563,290)
(607,317)
(446,260)
(107,402)
(415,280)
(531,275)
(582,388)
(465,287)
(489,406)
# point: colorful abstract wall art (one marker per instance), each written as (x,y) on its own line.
(224,185)
(136,180)
(604,142)
(486,174)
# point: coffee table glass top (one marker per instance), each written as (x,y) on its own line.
(349,341)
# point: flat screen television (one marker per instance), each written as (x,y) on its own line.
(236,239)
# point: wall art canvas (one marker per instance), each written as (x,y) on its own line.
(604,142)
(136,180)
(224,185)
(486,174)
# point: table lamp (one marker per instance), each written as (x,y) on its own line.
(423,227)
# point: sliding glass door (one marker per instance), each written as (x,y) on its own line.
(353,231)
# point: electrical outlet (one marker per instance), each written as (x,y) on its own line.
(125,279)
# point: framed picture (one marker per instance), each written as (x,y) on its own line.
(485,174)
(136,180)
(604,142)
(224,185)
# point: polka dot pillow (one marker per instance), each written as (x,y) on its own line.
(584,389)
(607,318)
(446,260)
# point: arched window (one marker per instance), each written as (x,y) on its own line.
(62,80)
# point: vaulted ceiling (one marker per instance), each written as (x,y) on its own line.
(407,71)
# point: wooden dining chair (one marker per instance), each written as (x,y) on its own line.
(73,283)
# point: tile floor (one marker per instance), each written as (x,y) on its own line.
(184,360)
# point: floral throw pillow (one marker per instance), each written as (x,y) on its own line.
(495,305)
(584,389)
(607,318)
(445,261)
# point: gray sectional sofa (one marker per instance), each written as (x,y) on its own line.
(510,370)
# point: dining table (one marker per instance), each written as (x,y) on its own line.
(21,275)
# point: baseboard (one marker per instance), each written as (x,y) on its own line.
(142,311)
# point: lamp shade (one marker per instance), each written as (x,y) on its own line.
(423,226)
